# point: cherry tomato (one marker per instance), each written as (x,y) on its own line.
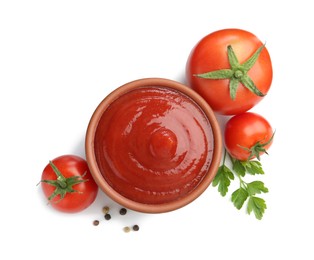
(67,183)
(248,136)
(231,69)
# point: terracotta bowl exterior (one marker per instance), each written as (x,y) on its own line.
(96,171)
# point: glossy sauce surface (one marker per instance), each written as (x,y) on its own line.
(154,145)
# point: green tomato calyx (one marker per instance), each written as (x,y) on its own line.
(63,185)
(237,73)
(257,149)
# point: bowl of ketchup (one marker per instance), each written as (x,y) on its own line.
(153,145)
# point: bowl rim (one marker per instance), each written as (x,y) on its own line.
(134,205)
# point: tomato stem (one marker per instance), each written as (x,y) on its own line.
(63,185)
(258,148)
(237,73)
(56,170)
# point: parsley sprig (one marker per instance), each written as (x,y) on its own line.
(247,190)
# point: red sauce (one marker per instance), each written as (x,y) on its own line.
(154,145)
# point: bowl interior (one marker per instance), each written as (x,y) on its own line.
(97,132)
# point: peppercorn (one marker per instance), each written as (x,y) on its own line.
(96,222)
(107,216)
(105,209)
(126,229)
(123,211)
(136,228)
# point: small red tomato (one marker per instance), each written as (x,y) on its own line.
(67,183)
(248,136)
(231,69)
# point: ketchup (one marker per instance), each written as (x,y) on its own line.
(154,144)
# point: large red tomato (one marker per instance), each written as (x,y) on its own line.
(231,69)
(68,184)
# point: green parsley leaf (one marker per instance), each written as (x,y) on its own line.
(256,187)
(238,197)
(257,205)
(246,191)
(222,179)
(253,167)
(239,167)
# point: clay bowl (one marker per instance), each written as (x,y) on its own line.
(131,163)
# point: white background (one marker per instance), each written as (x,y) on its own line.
(59,59)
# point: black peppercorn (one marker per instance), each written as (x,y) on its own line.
(136,228)
(107,216)
(123,211)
